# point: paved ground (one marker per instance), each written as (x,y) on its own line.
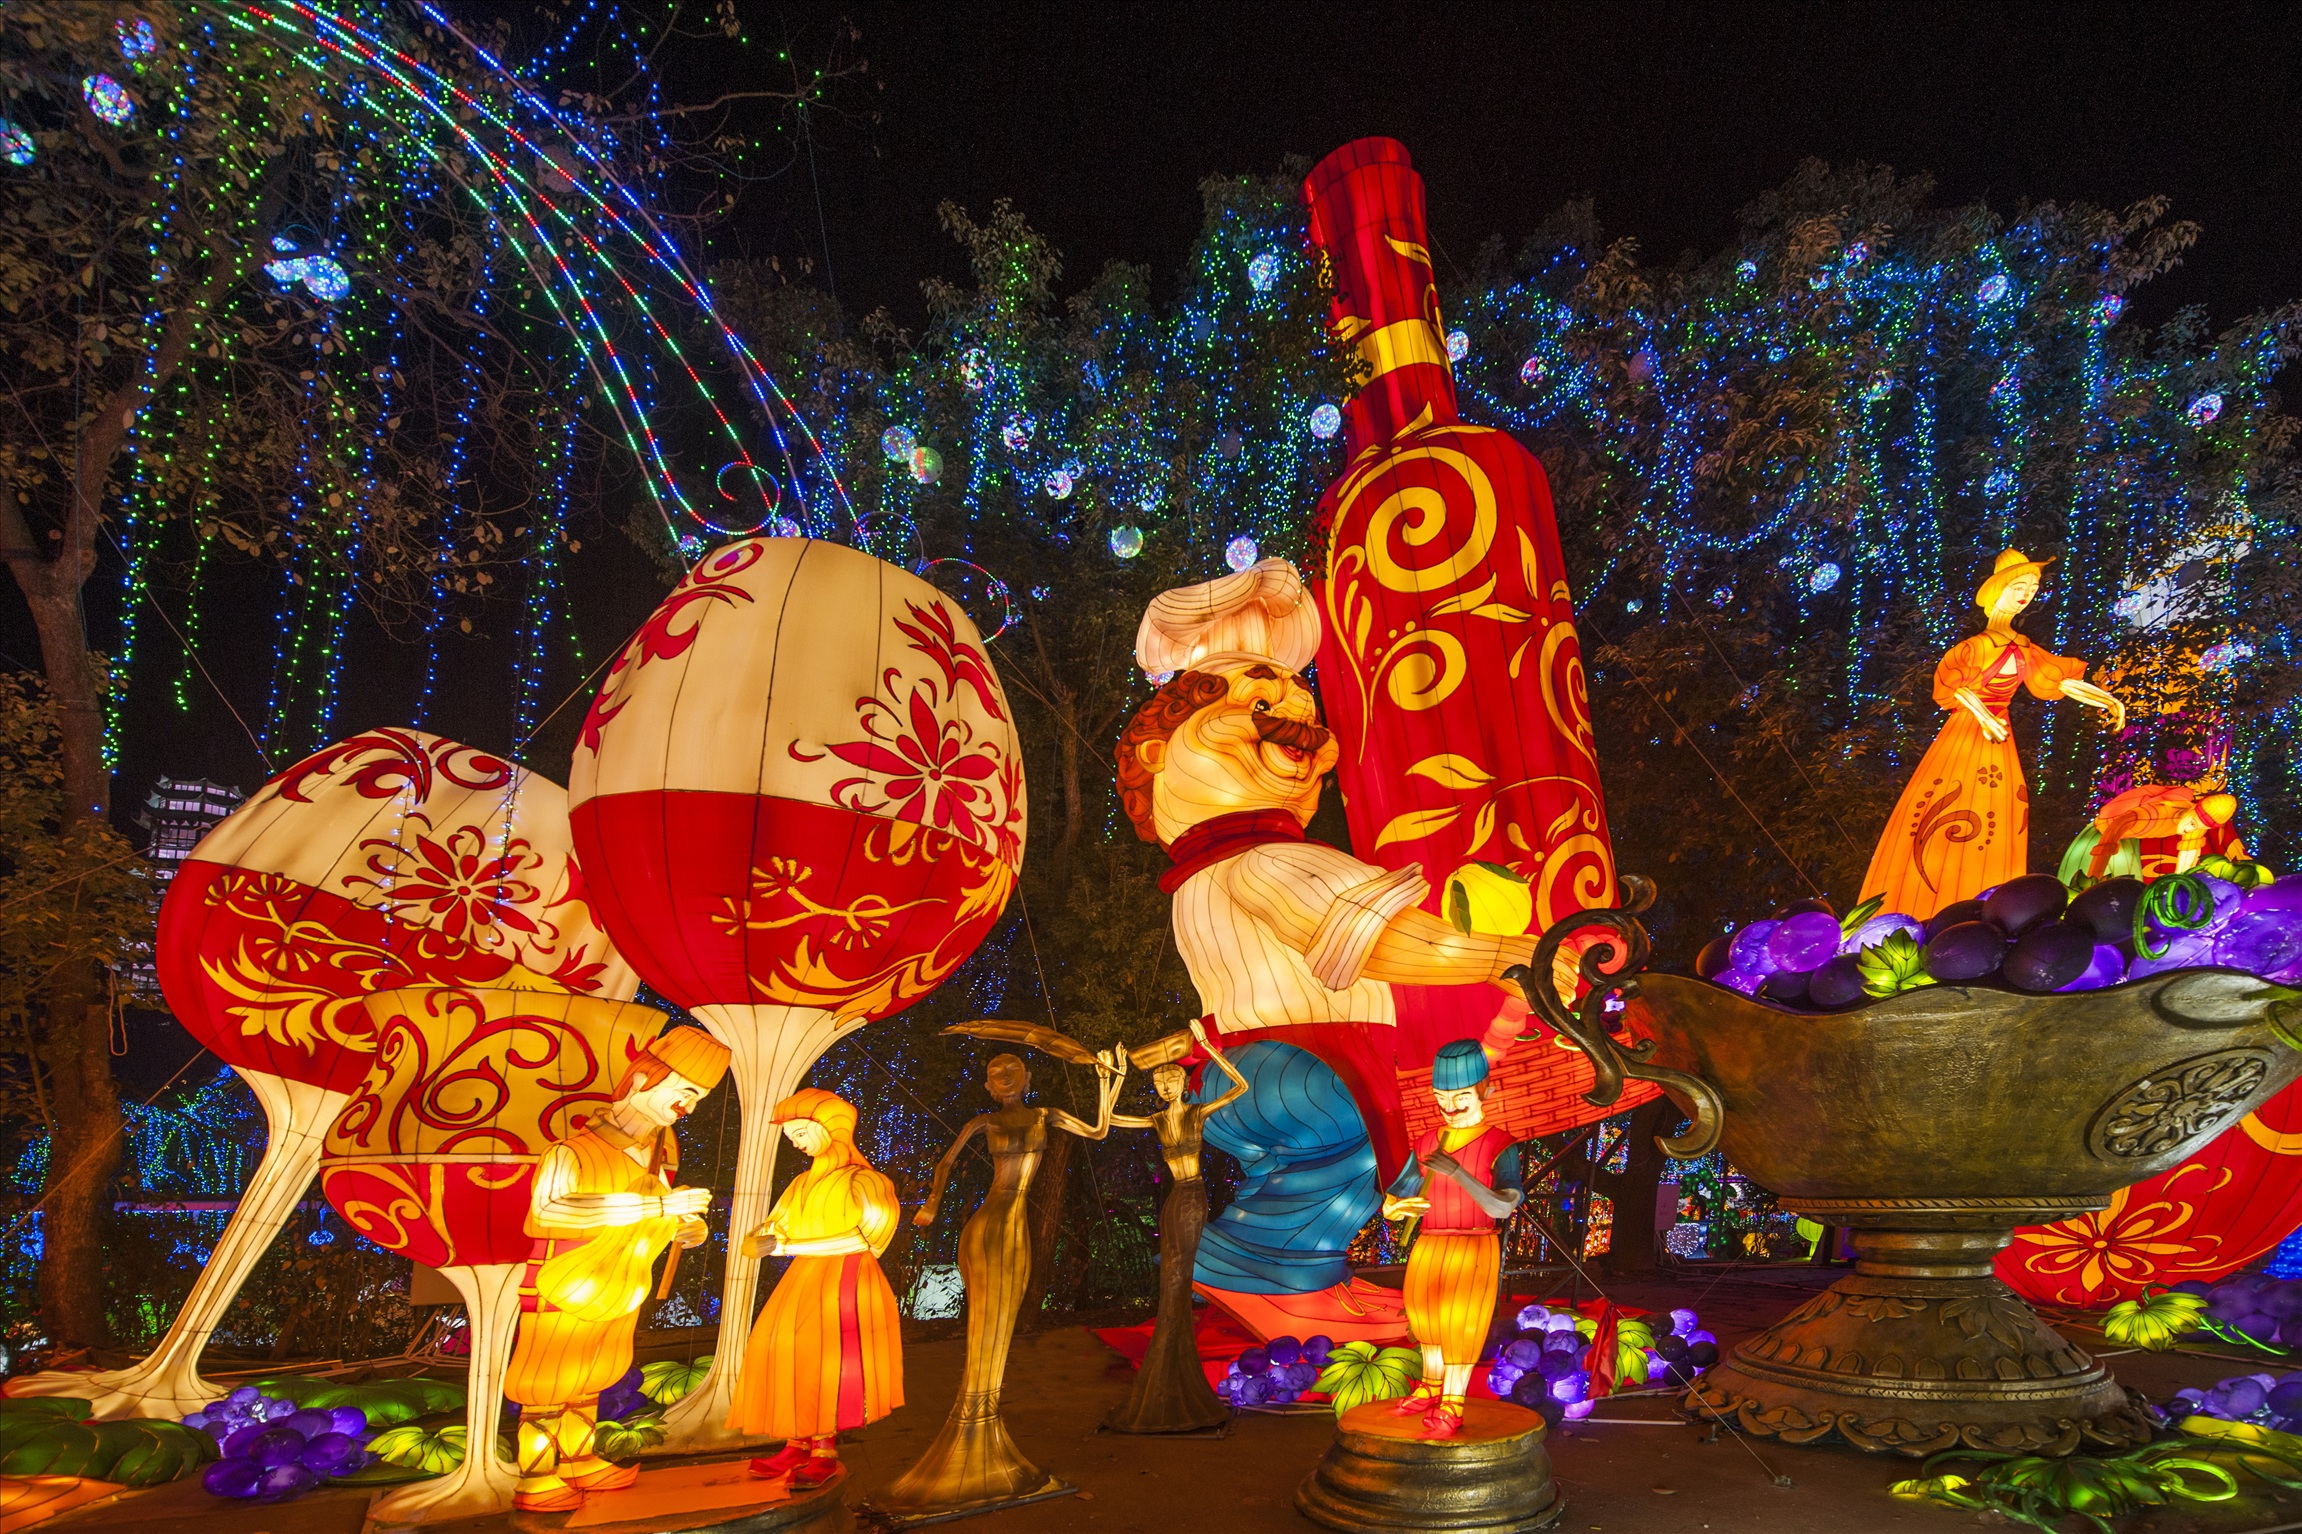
(1633,1468)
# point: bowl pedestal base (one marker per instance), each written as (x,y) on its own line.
(1921,1348)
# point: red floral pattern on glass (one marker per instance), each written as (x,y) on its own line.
(467,892)
(392,760)
(920,767)
(662,637)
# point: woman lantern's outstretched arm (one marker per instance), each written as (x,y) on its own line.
(1110,1073)
(1223,1063)
(2079,691)
(926,1215)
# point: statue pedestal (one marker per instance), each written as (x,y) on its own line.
(1494,1477)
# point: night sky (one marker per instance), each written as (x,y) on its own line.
(1100,122)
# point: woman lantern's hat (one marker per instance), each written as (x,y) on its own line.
(2011,566)
(1460,1066)
(691,1053)
(1265,612)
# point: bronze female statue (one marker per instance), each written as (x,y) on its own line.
(1171,1393)
(972,1461)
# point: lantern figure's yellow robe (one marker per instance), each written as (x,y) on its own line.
(583,1289)
(1963,823)
(826,1354)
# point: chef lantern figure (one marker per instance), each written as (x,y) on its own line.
(1287,939)
(603,1210)
(1462,1179)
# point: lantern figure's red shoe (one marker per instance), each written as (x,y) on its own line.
(1444,1420)
(562,1498)
(785,1460)
(1418,1402)
(819,1470)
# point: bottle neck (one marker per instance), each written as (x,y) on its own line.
(1412,384)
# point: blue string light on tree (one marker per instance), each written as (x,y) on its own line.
(134,35)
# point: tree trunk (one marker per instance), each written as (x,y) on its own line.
(84,1105)
(1632,1247)
(83,1157)
(85,1140)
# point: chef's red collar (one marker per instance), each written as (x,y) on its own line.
(1226,836)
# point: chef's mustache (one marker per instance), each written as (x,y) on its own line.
(1293,734)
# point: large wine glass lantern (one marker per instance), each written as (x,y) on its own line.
(390,859)
(798,803)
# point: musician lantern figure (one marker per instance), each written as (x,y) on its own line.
(603,1210)
(1462,1179)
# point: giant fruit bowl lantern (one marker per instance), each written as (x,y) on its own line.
(434,1159)
(798,801)
(391,859)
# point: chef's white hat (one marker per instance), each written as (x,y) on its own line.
(1264,612)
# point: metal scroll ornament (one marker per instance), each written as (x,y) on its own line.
(1609,970)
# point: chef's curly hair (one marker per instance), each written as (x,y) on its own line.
(1188,693)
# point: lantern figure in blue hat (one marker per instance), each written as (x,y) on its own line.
(1462,1179)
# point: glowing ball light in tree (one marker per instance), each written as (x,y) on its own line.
(434,1159)
(394,858)
(798,801)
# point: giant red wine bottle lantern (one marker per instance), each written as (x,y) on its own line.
(1449,667)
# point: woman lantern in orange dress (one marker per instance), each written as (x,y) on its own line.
(826,1355)
(1963,824)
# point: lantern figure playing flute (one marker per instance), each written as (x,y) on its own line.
(826,1355)
(602,1211)
(1462,1179)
